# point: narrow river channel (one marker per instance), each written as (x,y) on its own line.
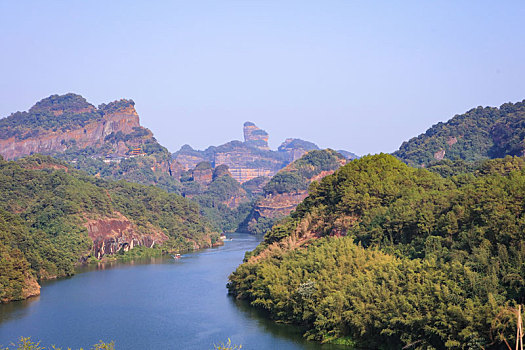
(161,303)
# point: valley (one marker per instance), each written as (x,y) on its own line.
(357,252)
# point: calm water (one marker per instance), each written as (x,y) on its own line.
(161,304)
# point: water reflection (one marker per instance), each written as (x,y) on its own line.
(17,309)
(284,331)
(150,303)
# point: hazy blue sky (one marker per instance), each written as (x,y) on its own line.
(355,75)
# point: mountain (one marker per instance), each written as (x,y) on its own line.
(383,255)
(251,164)
(258,203)
(223,201)
(289,187)
(481,133)
(53,216)
(106,141)
(249,159)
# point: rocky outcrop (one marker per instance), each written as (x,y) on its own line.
(440,155)
(112,234)
(243,174)
(119,119)
(203,173)
(296,148)
(106,141)
(255,136)
(31,287)
(249,159)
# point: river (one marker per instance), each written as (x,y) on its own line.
(160,303)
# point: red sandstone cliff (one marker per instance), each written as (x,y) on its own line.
(111,234)
(124,119)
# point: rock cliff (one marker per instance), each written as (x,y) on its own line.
(52,216)
(255,136)
(106,141)
(249,159)
(112,234)
(119,116)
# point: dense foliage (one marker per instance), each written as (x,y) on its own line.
(404,257)
(292,180)
(45,206)
(152,168)
(480,133)
(223,201)
(298,144)
(56,113)
(25,343)
(111,157)
(298,175)
(115,106)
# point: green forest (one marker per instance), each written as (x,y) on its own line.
(56,113)
(481,133)
(213,197)
(383,255)
(296,176)
(44,208)
(292,179)
(152,168)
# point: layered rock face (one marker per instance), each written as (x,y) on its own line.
(249,159)
(246,162)
(203,173)
(106,141)
(112,234)
(212,187)
(257,137)
(116,117)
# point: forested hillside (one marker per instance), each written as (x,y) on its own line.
(289,187)
(52,216)
(223,201)
(106,141)
(479,134)
(382,255)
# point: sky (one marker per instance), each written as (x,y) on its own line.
(363,76)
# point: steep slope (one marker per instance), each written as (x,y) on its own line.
(382,255)
(289,187)
(52,217)
(107,141)
(479,134)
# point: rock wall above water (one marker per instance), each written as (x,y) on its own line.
(112,234)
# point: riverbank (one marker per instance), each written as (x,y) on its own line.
(151,303)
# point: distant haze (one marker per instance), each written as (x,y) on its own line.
(354,75)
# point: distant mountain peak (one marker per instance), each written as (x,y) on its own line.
(60,122)
(255,136)
(60,104)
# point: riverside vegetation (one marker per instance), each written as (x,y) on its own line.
(379,254)
(25,343)
(383,255)
(43,213)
